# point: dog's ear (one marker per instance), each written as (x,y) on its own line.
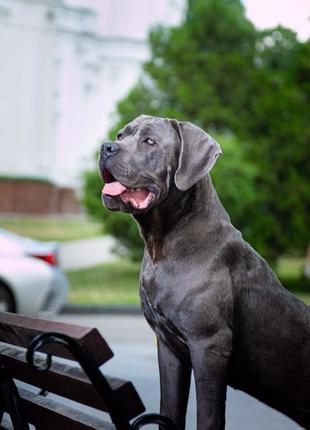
(197,156)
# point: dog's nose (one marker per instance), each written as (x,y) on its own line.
(109,148)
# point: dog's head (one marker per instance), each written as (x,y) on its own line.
(150,155)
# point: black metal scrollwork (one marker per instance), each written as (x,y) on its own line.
(146,419)
(39,342)
(96,377)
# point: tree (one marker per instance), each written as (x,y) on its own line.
(278,117)
(198,70)
(221,73)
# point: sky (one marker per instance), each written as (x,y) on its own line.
(290,13)
(263,13)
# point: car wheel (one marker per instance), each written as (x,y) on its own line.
(7,303)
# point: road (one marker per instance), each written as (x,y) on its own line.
(135,359)
(79,254)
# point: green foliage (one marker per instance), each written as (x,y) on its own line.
(253,89)
(234,179)
(278,117)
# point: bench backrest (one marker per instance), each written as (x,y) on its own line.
(64,378)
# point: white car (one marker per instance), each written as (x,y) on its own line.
(31,282)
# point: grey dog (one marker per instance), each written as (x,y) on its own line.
(215,305)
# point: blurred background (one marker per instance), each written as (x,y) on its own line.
(73,71)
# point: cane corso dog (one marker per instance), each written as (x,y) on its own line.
(215,305)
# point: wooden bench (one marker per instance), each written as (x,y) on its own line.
(68,367)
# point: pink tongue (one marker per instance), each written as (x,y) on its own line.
(138,199)
(113,189)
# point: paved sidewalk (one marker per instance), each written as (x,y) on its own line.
(135,359)
(79,254)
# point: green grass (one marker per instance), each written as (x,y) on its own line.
(108,284)
(290,267)
(117,283)
(48,228)
(290,271)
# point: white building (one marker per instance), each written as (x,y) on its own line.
(62,69)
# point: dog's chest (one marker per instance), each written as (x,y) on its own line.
(160,303)
(158,285)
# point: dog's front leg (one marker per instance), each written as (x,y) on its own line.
(210,372)
(175,375)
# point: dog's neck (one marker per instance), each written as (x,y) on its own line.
(200,201)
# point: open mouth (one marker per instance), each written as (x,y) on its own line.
(139,198)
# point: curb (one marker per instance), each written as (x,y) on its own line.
(106,310)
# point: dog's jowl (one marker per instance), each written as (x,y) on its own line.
(215,305)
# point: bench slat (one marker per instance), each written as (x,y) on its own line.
(20,330)
(69,381)
(48,414)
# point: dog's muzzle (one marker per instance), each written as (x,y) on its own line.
(108,149)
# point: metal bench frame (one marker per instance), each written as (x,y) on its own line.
(11,401)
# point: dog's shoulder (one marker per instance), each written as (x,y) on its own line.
(246,267)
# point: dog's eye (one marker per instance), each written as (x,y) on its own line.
(149,141)
(119,136)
